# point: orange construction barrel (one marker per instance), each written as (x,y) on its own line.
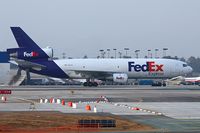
(51,100)
(87,107)
(63,102)
(135,108)
(70,104)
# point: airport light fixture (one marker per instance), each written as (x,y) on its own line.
(63,55)
(149,53)
(137,53)
(126,49)
(156,53)
(120,54)
(164,52)
(115,52)
(108,52)
(101,52)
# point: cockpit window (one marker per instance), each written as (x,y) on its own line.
(185,65)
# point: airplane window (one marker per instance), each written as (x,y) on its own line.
(184,65)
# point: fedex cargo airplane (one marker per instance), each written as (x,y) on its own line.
(31,58)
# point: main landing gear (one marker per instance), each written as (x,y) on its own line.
(90,84)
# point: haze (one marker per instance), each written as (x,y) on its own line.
(83,27)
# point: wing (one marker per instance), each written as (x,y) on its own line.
(90,73)
(95,73)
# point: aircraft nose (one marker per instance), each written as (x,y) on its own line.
(190,69)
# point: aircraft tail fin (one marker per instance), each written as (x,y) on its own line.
(28,49)
(23,40)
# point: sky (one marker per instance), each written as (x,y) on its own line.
(83,27)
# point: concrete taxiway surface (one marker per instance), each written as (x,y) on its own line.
(173,108)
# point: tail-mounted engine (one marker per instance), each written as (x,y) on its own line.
(24,53)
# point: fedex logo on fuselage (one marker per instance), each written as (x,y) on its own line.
(150,66)
(31,54)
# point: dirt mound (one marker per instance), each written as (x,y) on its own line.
(47,122)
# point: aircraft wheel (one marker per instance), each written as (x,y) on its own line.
(164,84)
(90,84)
(95,84)
(85,84)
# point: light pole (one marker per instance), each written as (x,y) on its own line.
(108,52)
(115,52)
(137,53)
(101,52)
(64,55)
(120,54)
(104,54)
(164,52)
(149,53)
(156,53)
(126,49)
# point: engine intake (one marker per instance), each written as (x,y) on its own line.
(49,51)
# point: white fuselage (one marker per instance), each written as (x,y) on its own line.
(134,68)
(30,57)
